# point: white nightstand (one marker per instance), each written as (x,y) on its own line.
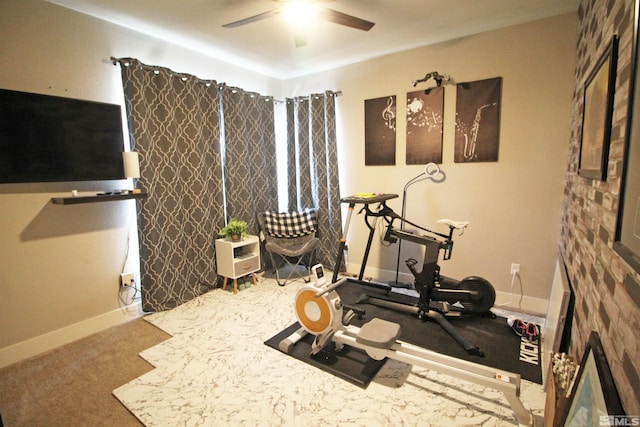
(238,259)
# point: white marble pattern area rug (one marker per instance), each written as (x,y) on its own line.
(216,371)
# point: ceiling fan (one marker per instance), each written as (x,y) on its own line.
(319,11)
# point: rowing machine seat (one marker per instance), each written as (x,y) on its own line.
(378,333)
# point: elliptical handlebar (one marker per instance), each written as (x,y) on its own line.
(392,234)
(388,214)
(381,210)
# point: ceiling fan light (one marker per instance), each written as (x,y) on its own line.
(299,12)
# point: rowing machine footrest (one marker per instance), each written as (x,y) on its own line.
(378,333)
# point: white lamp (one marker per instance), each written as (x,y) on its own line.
(131,164)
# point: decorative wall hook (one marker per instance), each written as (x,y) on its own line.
(439,78)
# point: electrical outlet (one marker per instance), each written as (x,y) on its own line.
(515,268)
(126,279)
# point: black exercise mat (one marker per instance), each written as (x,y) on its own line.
(349,364)
(502,348)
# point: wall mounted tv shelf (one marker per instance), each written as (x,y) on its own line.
(97,198)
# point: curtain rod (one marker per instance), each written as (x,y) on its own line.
(331,92)
(113,60)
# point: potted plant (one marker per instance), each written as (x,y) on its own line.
(234,230)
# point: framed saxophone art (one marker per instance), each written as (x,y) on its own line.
(477,126)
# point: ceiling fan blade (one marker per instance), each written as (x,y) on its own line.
(300,38)
(255,18)
(344,19)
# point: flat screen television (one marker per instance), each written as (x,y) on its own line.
(47,138)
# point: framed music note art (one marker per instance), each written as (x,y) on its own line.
(380,131)
(424,126)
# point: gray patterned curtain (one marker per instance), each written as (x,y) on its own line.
(250,169)
(313,166)
(174,125)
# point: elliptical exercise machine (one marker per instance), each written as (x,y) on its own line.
(437,293)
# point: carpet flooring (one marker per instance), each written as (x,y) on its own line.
(72,384)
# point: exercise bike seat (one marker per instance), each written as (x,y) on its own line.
(453,224)
(378,333)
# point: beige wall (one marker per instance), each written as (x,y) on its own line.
(59,265)
(514,205)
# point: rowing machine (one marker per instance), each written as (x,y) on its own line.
(319,311)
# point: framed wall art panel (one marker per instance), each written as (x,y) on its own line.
(594,399)
(424,126)
(380,131)
(627,242)
(478,120)
(597,114)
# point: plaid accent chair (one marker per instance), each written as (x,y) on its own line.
(290,239)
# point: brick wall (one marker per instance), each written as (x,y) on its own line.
(605,287)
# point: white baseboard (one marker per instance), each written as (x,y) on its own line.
(504,300)
(45,342)
(530,305)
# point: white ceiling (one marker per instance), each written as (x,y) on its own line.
(268,46)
